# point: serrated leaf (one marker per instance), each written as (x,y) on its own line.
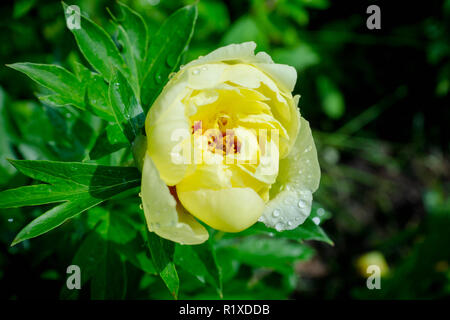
(162,252)
(164,52)
(80,185)
(68,89)
(97,47)
(128,112)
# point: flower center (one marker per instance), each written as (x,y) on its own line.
(221,138)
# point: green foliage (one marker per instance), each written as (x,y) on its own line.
(93,113)
(127,110)
(80,186)
(164,52)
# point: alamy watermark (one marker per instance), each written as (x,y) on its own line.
(73,17)
(374,280)
(374,20)
(74,279)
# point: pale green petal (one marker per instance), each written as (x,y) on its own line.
(234,52)
(298,178)
(167,126)
(164,216)
(285,76)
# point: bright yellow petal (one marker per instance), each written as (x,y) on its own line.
(164,216)
(229,210)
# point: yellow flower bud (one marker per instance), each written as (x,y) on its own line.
(226,145)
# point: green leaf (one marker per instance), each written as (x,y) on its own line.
(200,261)
(164,52)
(276,253)
(96,93)
(68,88)
(81,186)
(133,35)
(110,279)
(162,252)
(110,140)
(307,231)
(88,257)
(128,112)
(6,145)
(97,47)
(135,252)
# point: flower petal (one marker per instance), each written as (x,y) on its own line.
(167,127)
(244,52)
(229,210)
(163,214)
(298,178)
(285,76)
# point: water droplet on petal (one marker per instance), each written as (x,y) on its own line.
(302,204)
(276,213)
(195,72)
(141,207)
(289,223)
(140,195)
(279,227)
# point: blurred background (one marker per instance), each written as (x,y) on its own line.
(377,101)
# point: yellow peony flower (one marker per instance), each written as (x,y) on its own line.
(226,145)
